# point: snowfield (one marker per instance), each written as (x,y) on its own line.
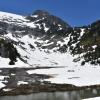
(76,75)
(95,98)
(4,63)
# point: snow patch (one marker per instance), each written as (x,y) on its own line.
(95,98)
(21,82)
(94,46)
(2,85)
(45,28)
(7,89)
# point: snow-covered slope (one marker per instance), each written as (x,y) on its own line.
(33,55)
(15,19)
(45,40)
(42,39)
(22,33)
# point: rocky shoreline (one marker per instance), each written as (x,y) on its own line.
(18,82)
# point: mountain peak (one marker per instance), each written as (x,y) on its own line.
(41,13)
(48,23)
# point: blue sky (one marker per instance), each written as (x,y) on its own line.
(75,12)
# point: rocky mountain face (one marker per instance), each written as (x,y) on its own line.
(44,39)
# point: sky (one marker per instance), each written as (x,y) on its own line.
(74,12)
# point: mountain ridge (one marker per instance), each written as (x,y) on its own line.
(42,39)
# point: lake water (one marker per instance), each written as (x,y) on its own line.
(73,95)
(45,96)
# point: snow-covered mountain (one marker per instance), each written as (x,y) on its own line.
(42,39)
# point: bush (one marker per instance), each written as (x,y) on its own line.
(83,63)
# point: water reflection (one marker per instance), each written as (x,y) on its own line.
(46,96)
(73,95)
